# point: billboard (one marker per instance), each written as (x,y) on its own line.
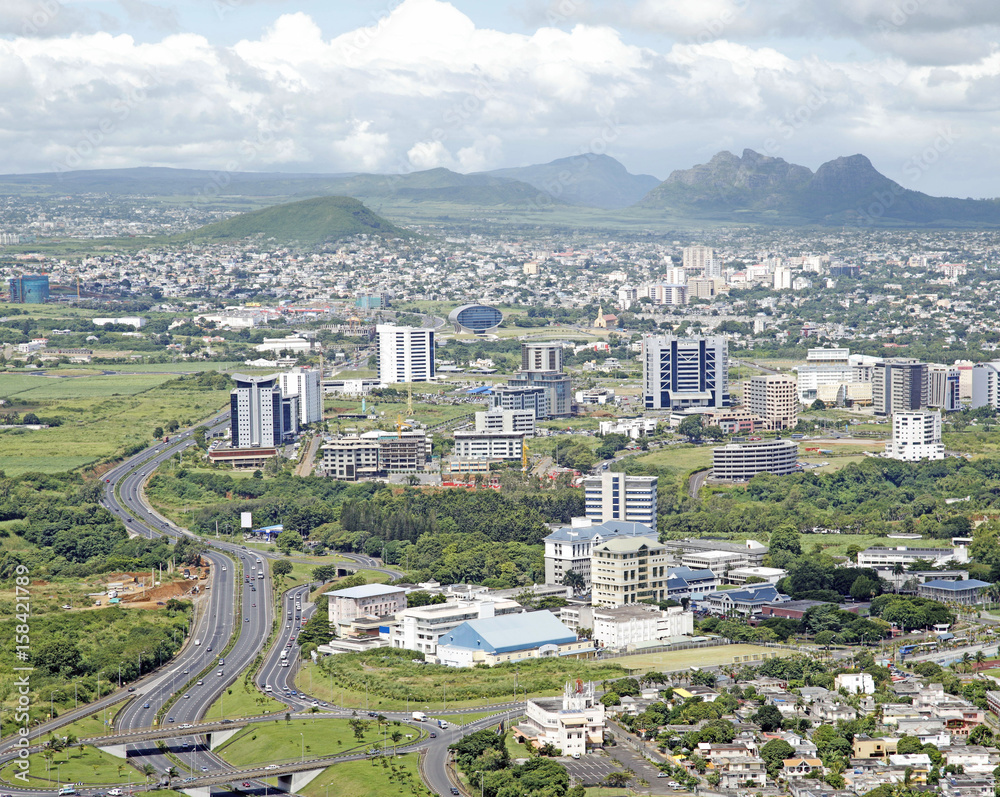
(245,520)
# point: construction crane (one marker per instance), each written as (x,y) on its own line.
(524,457)
(409,399)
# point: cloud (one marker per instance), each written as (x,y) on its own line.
(425,87)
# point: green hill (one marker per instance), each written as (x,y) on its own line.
(308,222)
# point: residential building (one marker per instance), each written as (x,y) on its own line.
(887,557)
(405,354)
(259,416)
(506,421)
(626,570)
(899,385)
(680,373)
(420,627)
(944,387)
(350,458)
(860,683)
(614,496)
(637,625)
(568,548)
(986,385)
(738,772)
(512,637)
(774,397)
(573,723)
(867,747)
(800,767)
(304,383)
(377,600)
(700,260)
(968,785)
(968,592)
(916,435)
(521,397)
(740,462)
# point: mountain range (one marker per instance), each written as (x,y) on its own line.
(751,188)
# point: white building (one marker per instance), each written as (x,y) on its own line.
(128,321)
(405,354)
(506,421)
(568,548)
(856,683)
(376,600)
(304,383)
(350,458)
(878,557)
(489,445)
(295,345)
(420,627)
(701,260)
(631,427)
(259,417)
(572,723)
(986,385)
(615,496)
(679,373)
(916,436)
(636,625)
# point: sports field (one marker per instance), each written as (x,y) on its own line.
(697,657)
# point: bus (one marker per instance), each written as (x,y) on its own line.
(69,788)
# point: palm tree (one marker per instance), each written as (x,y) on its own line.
(170,773)
(148,770)
(980,659)
(966,662)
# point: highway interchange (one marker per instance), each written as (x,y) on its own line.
(180,693)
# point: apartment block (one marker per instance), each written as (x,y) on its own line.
(489,445)
(916,436)
(899,385)
(627,570)
(506,421)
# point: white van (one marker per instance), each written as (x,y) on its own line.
(197,642)
(267,687)
(219,673)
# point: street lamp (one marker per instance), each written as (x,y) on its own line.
(119,675)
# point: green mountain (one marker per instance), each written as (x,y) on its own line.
(847,190)
(308,222)
(597,181)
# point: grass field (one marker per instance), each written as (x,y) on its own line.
(837,544)
(75,765)
(97,424)
(239,702)
(696,657)
(92,725)
(281,741)
(834,463)
(377,777)
(389,411)
(55,386)
(679,458)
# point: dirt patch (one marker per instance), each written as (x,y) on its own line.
(164,592)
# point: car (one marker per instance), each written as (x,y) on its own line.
(131,689)
(227,722)
(204,769)
(288,625)
(314,703)
(246,619)
(245,783)
(170,719)
(210,650)
(185,672)
(186,745)
(200,683)
(370,713)
(186,696)
(294,693)
(434,735)
(454,790)
(271,766)
(662,775)
(254,605)
(108,481)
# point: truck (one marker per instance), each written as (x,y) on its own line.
(443,724)
(197,642)
(284,655)
(419,716)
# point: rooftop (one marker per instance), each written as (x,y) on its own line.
(365,591)
(510,632)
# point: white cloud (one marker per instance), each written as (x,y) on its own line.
(425,87)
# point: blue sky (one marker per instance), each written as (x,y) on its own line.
(401,85)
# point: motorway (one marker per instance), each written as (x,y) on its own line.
(181,692)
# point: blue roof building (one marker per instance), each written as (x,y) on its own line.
(509,637)
(967,592)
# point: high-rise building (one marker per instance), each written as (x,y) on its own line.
(405,354)
(259,416)
(679,373)
(540,357)
(986,385)
(899,385)
(774,398)
(915,436)
(304,383)
(944,387)
(701,259)
(509,421)
(615,496)
(520,397)
(627,570)
(782,278)
(558,389)
(29,289)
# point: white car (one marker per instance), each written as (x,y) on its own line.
(271,766)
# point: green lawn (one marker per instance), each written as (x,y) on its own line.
(238,701)
(88,765)
(837,544)
(377,777)
(679,458)
(92,725)
(280,741)
(55,386)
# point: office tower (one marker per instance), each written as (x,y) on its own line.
(986,385)
(899,385)
(775,399)
(915,436)
(524,397)
(679,373)
(258,415)
(615,496)
(944,387)
(558,389)
(541,357)
(29,289)
(304,383)
(405,354)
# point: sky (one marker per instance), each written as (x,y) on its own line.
(402,85)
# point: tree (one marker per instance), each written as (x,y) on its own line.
(158,432)
(691,428)
(909,744)
(768,718)
(288,541)
(864,588)
(617,780)
(575,580)
(786,538)
(818,404)
(282,567)
(774,754)
(825,638)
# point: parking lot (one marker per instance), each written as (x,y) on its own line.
(589,770)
